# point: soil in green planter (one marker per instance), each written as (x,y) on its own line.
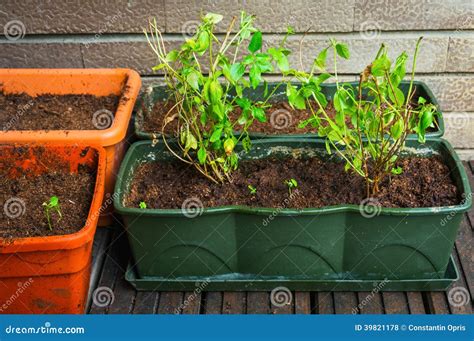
(425,182)
(22,213)
(57,112)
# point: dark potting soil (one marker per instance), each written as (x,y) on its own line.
(425,182)
(57,112)
(281,119)
(23,215)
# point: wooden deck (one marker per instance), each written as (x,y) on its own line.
(111,255)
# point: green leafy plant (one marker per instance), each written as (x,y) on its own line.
(142,205)
(252,189)
(201,75)
(291,183)
(373,120)
(49,206)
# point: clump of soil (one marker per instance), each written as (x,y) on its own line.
(22,213)
(425,182)
(57,112)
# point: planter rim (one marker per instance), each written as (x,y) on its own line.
(115,133)
(68,241)
(141,134)
(462,207)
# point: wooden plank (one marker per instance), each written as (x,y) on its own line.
(145,302)
(302,302)
(191,302)
(213,302)
(107,279)
(324,303)
(415,302)
(437,302)
(395,302)
(285,304)
(345,302)
(234,303)
(370,302)
(258,302)
(170,302)
(124,296)
(465,252)
(458,297)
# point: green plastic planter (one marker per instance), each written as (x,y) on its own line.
(159,93)
(330,243)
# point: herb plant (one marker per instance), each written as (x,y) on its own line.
(201,75)
(291,183)
(252,189)
(52,205)
(373,120)
(142,205)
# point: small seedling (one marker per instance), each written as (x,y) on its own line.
(252,189)
(52,205)
(142,205)
(291,183)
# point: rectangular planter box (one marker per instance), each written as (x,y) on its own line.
(49,274)
(98,82)
(331,242)
(157,93)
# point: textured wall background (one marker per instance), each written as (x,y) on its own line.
(107,33)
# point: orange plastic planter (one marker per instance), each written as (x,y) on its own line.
(99,82)
(49,274)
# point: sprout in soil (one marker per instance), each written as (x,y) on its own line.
(252,189)
(52,205)
(291,183)
(142,205)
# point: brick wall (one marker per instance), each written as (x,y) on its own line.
(105,33)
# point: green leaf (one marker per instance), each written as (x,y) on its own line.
(295,98)
(54,201)
(255,76)
(397,170)
(216,135)
(193,79)
(229,145)
(202,41)
(342,50)
(237,71)
(202,154)
(191,142)
(380,66)
(399,96)
(213,18)
(328,147)
(321,78)
(158,67)
(172,56)
(259,114)
(256,42)
(320,60)
(396,129)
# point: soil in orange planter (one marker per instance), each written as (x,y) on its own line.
(56,112)
(23,215)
